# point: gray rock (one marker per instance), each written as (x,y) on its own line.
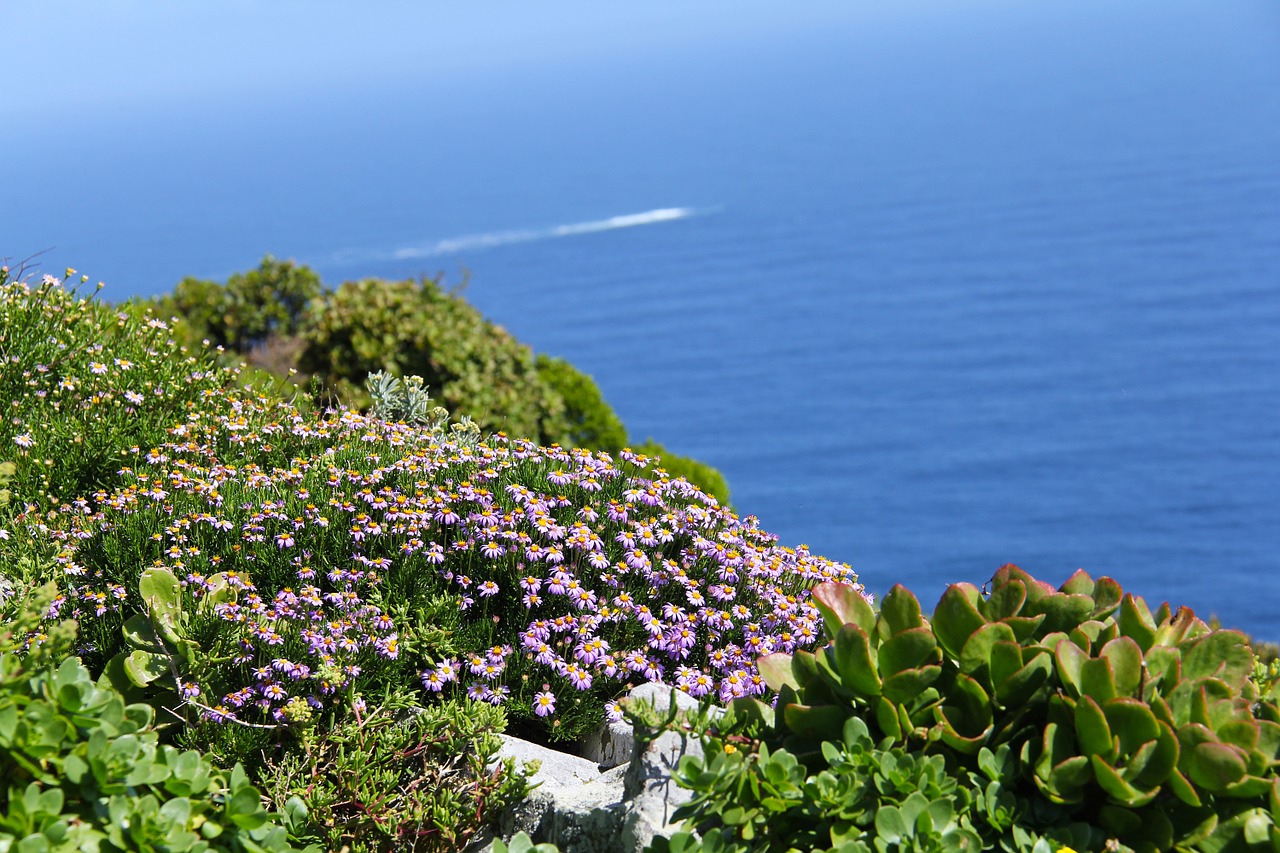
(558,770)
(613,744)
(582,810)
(650,794)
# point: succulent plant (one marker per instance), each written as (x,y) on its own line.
(1148,725)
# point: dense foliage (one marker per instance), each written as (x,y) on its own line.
(314,558)
(82,770)
(82,383)
(281,319)
(1073,714)
(415,328)
(249,309)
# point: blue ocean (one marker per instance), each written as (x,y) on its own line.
(991,283)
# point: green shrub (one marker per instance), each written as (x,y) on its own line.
(400,777)
(700,474)
(249,309)
(280,319)
(82,770)
(82,383)
(1105,723)
(589,422)
(415,328)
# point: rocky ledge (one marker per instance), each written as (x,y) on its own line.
(610,797)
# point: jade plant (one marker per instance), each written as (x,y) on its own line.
(1147,726)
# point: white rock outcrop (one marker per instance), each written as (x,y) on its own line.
(614,800)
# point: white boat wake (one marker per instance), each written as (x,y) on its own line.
(454,245)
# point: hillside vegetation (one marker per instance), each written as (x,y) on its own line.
(234,616)
(282,319)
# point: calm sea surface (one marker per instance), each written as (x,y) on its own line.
(935,295)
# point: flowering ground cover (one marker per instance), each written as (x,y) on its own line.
(360,552)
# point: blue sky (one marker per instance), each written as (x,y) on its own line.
(86,55)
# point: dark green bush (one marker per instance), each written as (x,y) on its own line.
(250,308)
(82,770)
(280,318)
(589,422)
(415,328)
(1109,725)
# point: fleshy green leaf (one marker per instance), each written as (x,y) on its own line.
(906,650)
(1125,657)
(956,617)
(855,663)
(1092,729)
(841,604)
(776,670)
(901,610)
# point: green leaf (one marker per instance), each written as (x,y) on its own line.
(891,827)
(901,610)
(907,685)
(888,720)
(1116,787)
(841,604)
(975,655)
(821,722)
(804,667)
(1062,611)
(907,649)
(956,617)
(1022,685)
(8,722)
(748,709)
(1006,659)
(244,809)
(1024,627)
(966,718)
(142,668)
(139,633)
(1214,766)
(33,844)
(177,810)
(855,664)
(1132,722)
(162,593)
(1222,654)
(1241,733)
(1173,628)
(1106,597)
(1079,583)
(1070,660)
(1092,730)
(776,671)
(1182,788)
(1068,780)
(1096,679)
(1136,623)
(1125,656)
(1006,600)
